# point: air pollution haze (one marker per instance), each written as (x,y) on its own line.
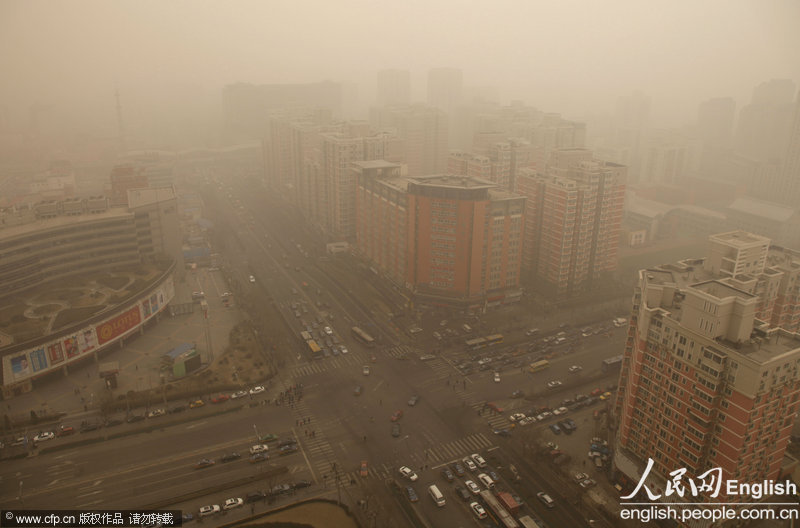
(170,60)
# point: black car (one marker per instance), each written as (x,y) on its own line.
(177,409)
(462,492)
(287,449)
(89,426)
(447,474)
(281,489)
(230,457)
(255,496)
(113,422)
(135,418)
(287,442)
(302,484)
(395,429)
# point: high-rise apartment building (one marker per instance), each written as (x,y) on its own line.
(762,132)
(573,221)
(447,239)
(394,87)
(705,383)
(421,133)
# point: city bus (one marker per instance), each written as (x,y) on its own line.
(494,339)
(316,351)
(536,366)
(475,344)
(505,518)
(362,336)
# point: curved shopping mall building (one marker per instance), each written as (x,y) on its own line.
(50,243)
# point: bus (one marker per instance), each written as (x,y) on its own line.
(611,364)
(475,344)
(306,336)
(494,339)
(536,366)
(527,522)
(316,351)
(506,519)
(362,336)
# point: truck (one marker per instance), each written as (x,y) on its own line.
(508,502)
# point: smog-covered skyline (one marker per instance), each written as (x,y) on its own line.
(574,57)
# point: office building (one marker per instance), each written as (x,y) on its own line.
(421,133)
(704,382)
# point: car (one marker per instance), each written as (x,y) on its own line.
(552,445)
(65,430)
(196,403)
(300,484)
(187,517)
(198,295)
(472,487)
(517,394)
(233,503)
(459,469)
(259,457)
(155,413)
(230,457)
(493,475)
(289,441)
(502,432)
(287,450)
(204,463)
(343,349)
(327,330)
(553,384)
(113,422)
(358,390)
(44,436)
(205,511)
(546,499)
(363,471)
(479,461)
(497,377)
(408,473)
(413,401)
(486,480)
(257,389)
(462,492)
(252,279)
(267,438)
(397,415)
(365,370)
(527,420)
(555,428)
(412,495)
(238,394)
(496,408)
(280,489)
(571,423)
(531,332)
(255,496)
(470,464)
(596,392)
(133,418)
(259,448)
(177,409)
(605,396)
(396,430)
(478,510)
(560,411)
(575,368)
(516,417)
(448,475)
(580,477)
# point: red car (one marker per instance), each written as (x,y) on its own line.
(65,430)
(220,399)
(596,392)
(397,415)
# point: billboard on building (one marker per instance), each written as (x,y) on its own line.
(118,325)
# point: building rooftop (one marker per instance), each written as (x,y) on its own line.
(39,224)
(376,164)
(740,238)
(453,181)
(767,210)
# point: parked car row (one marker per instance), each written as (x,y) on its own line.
(254,496)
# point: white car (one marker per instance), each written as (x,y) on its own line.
(486,480)
(479,461)
(408,473)
(516,417)
(205,511)
(480,513)
(343,349)
(41,437)
(328,331)
(527,421)
(155,413)
(575,368)
(238,394)
(252,279)
(560,411)
(497,377)
(472,487)
(259,448)
(230,504)
(257,390)
(470,464)
(553,384)
(365,370)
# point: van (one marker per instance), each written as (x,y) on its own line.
(436,495)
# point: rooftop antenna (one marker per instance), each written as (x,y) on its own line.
(120,125)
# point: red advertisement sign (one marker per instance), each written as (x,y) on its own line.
(118,326)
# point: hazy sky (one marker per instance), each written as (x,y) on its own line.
(566,56)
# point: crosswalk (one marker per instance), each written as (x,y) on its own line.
(350,360)
(402,352)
